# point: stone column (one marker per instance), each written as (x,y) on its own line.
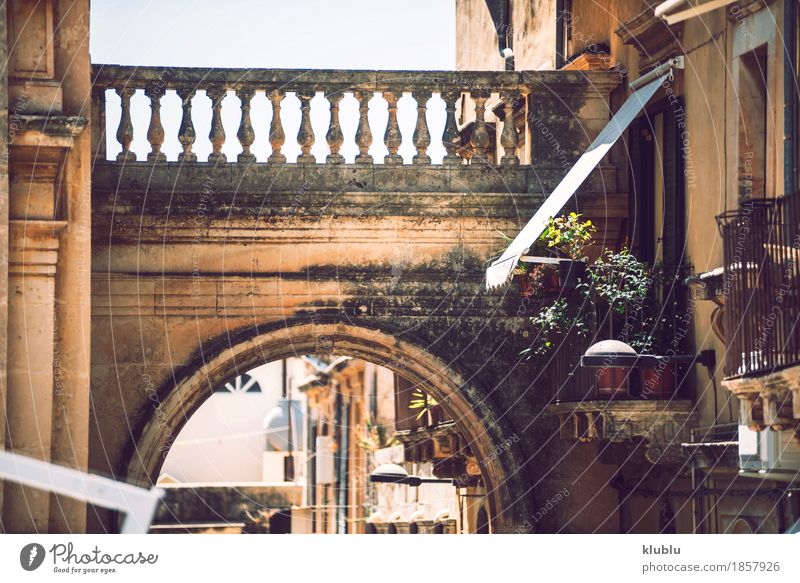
(3,235)
(32,267)
(73,278)
(36,168)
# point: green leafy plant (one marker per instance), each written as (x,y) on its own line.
(555,321)
(621,280)
(375,436)
(569,235)
(423,401)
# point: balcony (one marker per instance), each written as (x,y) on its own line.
(620,405)
(468,110)
(762,310)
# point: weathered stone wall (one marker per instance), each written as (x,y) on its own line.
(193,260)
(534,36)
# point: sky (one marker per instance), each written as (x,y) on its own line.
(328,34)
(340,34)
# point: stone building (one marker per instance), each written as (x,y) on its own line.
(361,416)
(709,168)
(136,284)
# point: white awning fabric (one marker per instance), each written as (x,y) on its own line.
(500,270)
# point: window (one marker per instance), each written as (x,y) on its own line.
(241,384)
(752,124)
(656,185)
(563,31)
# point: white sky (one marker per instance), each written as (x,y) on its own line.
(340,34)
(324,34)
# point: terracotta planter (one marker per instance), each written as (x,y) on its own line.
(551,283)
(658,383)
(612,383)
(525,287)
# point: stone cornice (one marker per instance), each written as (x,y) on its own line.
(664,425)
(769,400)
(56,131)
(33,247)
(652,37)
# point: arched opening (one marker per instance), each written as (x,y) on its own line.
(471,414)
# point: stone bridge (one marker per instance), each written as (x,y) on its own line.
(206,266)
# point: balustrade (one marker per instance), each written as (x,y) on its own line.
(502,92)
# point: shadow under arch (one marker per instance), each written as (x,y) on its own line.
(475,417)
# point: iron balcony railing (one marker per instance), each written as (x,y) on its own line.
(761,285)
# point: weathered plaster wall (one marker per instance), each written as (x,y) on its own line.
(534,36)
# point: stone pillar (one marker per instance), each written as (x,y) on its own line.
(32,267)
(73,278)
(3,235)
(37,155)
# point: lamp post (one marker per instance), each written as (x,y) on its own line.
(613,353)
(394,474)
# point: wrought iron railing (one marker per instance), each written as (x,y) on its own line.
(656,317)
(762,285)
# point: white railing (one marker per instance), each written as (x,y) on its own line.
(138,504)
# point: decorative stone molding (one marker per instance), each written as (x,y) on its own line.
(652,37)
(771,400)
(664,425)
(710,285)
(746,8)
(38,146)
(33,247)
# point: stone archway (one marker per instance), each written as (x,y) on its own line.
(474,416)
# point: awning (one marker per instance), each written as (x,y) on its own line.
(668,11)
(500,271)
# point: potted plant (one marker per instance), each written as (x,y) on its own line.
(570,237)
(651,338)
(554,322)
(622,284)
(533,279)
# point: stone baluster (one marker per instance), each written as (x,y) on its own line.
(363,133)
(217,133)
(334,137)
(421,137)
(392,138)
(125,129)
(305,135)
(276,135)
(246,135)
(508,139)
(155,131)
(480,135)
(451,138)
(186,135)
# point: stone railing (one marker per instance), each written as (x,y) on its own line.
(466,137)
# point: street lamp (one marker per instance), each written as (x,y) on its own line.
(613,353)
(394,474)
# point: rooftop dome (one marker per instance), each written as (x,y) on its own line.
(276,426)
